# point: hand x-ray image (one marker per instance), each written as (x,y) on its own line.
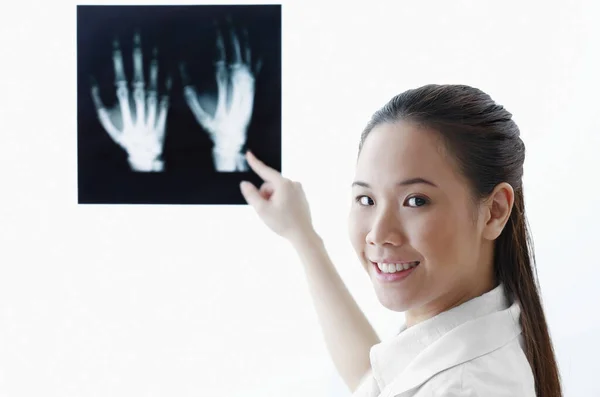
(171,97)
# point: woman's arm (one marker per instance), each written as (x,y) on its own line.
(282,205)
(348,334)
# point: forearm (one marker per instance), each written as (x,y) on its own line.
(348,334)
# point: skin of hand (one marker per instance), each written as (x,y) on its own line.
(228,125)
(138,122)
(280,203)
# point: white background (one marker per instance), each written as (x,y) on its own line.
(205,301)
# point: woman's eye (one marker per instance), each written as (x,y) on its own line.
(417,201)
(364,200)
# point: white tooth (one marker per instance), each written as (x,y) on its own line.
(395,267)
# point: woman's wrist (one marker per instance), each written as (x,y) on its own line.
(146,164)
(229,160)
(305,239)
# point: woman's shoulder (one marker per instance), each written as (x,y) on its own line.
(503,372)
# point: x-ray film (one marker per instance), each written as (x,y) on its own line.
(171,97)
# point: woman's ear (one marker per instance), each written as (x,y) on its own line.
(498,208)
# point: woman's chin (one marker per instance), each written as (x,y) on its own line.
(392,300)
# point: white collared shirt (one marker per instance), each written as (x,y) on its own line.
(472,350)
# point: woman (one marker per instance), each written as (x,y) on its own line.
(438,223)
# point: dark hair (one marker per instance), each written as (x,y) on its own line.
(487,149)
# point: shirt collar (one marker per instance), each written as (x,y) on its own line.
(390,357)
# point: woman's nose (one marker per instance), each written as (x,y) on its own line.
(385,230)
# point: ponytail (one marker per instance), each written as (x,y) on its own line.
(514,266)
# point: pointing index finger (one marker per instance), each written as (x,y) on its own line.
(267,173)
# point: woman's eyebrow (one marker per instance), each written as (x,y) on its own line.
(411,181)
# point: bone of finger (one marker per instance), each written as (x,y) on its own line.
(242,103)
(138,68)
(138,81)
(162,115)
(237,53)
(164,100)
(222,92)
(246,45)
(154,70)
(102,113)
(221,53)
(185,77)
(123,97)
(222,75)
(203,118)
(121,83)
(258,67)
(152,95)
(118,63)
(161,123)
(163,110)
(96,94)
(168,84)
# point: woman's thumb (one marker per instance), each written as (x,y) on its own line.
(252,196)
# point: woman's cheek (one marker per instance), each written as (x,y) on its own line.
(355,232)
(432,237)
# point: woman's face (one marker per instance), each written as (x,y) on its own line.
(429,220)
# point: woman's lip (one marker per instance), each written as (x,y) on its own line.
(391,277)
(392,261)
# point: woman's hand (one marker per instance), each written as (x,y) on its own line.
(280,202)
(138,122)
(227,125)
